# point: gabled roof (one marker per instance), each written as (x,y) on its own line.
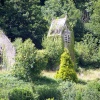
(57,26)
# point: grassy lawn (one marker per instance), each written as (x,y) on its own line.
(90,74)
(86,75)
(49,74)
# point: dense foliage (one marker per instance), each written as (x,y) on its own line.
(46,92)
(47,89)
(21,94)
(31,19)
(25,60)
(23,19)
(72,91)
(88,51)
(66,70)
(94,23)
(54,48)
(58,8)
(29,61)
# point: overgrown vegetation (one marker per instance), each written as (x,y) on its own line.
(87,51)
(12,89)
(19,93)
(31,19)
(54,48)
(29,61)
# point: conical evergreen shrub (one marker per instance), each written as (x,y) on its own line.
(66,70)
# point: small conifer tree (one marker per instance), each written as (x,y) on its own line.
(66,71)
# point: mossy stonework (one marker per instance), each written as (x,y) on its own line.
(60,27)
(7,50)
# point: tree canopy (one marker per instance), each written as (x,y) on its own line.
(23,19)
(32,18)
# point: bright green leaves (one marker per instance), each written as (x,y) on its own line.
(25,60)
(66,70)
(29,61)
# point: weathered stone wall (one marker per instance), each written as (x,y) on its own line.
(8,51)
(60,27)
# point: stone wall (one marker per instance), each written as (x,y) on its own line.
(8,51)
(61,27)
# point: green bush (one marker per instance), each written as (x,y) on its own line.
(54,48)
(24,65)
(46,92)
(94,85)
(67,74)
(68,90)
(29,61)
(66,71)
(17,43)
(90,94)
(88,51)
(41,60)
(73,91)
(20,94)
(59,8)
(91,91)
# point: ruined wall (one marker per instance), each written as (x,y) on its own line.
(61,27)
(8,51)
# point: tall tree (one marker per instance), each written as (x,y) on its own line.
(94,24)
(23,18)
(58,8)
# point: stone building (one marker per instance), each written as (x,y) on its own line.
(60,27)
(7,52)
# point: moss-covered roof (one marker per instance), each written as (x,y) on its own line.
(57,26)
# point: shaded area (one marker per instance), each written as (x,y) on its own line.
(42,80)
